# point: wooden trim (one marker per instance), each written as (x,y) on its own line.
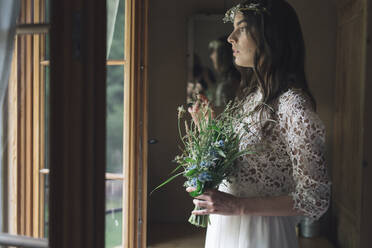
(32,28)
(129,219)
(144,100)
(135,121)
(42,144)
(20,127)
(36,109)
(367,137)
(115,62)
(77,124)
(28,140)
(128,208)
(347,172)
(108,176)
(25,108)
(41,123)
(24,69)
(142,88)
(42,155)
(109,62)
(113,176)
(45,63)
(28,162)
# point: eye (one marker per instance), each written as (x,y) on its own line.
(242,29)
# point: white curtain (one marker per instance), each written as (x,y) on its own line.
(112,11)
(9,10)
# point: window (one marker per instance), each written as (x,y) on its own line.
(114,122)
(32,125)
(26,124)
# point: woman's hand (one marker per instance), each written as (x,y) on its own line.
(216,202)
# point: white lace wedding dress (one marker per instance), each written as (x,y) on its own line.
(291,162)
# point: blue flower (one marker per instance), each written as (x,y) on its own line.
(192,167)
(204,177)
(193,183)
(207,164)
(220,143)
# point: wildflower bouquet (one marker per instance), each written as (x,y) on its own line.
(211,146)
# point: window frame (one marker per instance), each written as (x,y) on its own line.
(135,117)
(25,125)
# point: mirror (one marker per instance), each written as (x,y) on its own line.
(210,67)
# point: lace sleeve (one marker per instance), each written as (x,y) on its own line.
(304,135)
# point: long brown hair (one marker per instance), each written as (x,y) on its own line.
(279,61)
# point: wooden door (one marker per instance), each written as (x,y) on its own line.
(349,173)
(366,230)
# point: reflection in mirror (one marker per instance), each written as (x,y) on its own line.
(211,70)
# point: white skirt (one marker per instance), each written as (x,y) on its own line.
(252,232)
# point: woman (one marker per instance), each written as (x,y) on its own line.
(203,81)
(228,77)
(287,178)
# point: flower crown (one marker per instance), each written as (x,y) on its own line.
(257,8)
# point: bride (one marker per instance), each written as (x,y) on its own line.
(275,187)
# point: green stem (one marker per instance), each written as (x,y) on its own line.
(199,220)
(179,131)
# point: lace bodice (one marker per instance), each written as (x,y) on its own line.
(289,160)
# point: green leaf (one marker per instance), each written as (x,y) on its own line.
(221,153)
(189,160)
(167,181)
(179,166)
(191,172)
(199,189)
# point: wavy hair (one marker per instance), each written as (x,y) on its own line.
(279,61)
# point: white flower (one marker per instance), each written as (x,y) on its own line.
(181,110)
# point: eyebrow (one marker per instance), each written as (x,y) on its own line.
(240,22)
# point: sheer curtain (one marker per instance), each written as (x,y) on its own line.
(9,10)
(112,11)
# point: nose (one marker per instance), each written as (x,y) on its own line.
(230,39)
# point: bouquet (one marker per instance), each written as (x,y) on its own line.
(210,149)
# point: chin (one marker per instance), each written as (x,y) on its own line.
(239,63)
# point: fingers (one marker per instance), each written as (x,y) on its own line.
(206,207)
(202,204)
(190,189)
(203,197)
(205,202)
(216,202)
(201,212)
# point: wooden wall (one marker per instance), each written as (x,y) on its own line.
(349,123)
(366,231)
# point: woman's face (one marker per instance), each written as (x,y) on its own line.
(243,45)
(213,57)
